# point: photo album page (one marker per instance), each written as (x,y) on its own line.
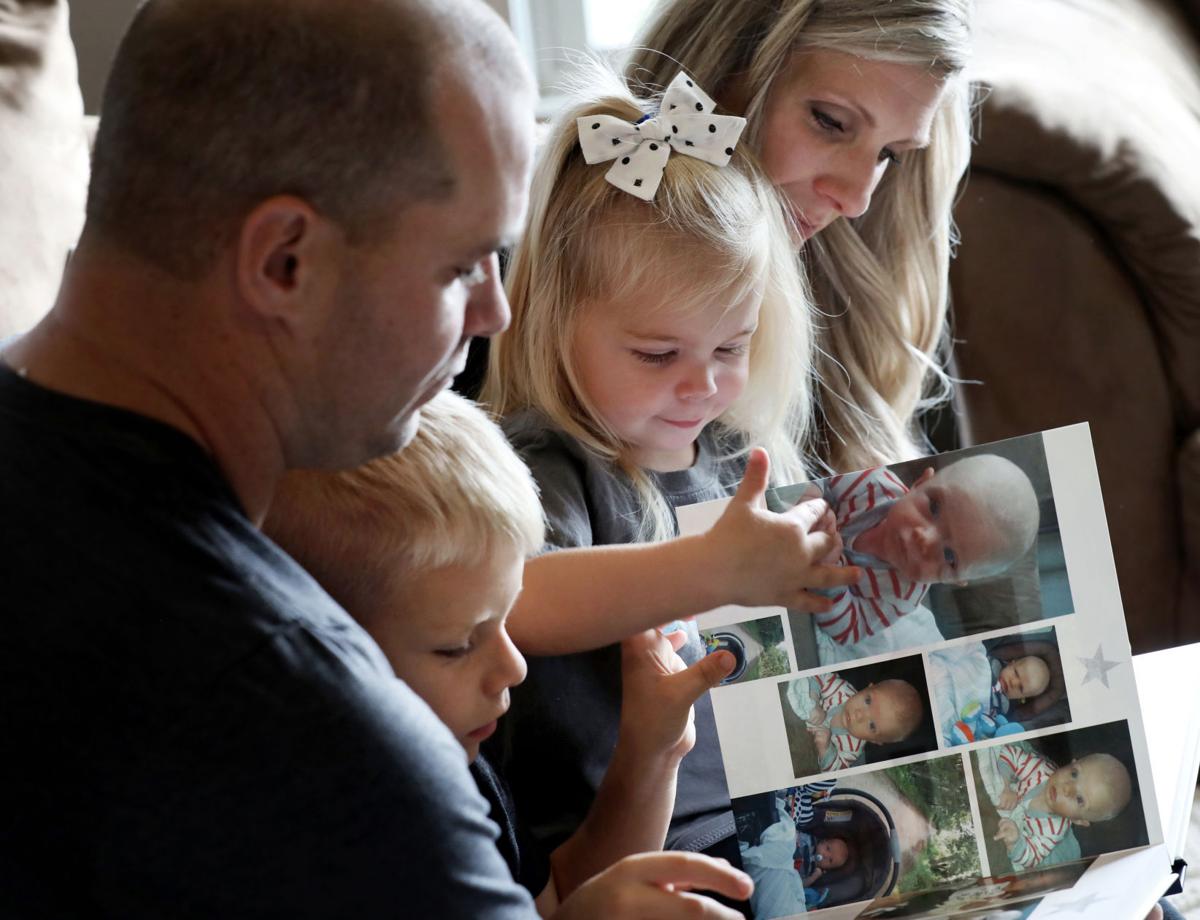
(959,733)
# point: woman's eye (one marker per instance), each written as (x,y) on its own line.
(887,155)
(734,351)
(654,357)
(826,121)
(472,276)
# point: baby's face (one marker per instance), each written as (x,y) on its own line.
(1024,678)
(935,533)
(1080,791)
(877,714)
(443,631)
(833,852)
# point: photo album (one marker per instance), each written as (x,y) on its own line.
(959,734)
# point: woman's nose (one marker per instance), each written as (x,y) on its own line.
(850,186)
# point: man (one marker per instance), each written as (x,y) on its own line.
(290,239)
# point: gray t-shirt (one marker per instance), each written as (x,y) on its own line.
(191,726)
(561,729)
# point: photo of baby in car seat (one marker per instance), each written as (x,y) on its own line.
(998,687)
(838,841)
(864,714)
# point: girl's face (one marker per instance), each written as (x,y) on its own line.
(835,123)
(657,374)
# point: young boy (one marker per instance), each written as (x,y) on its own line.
(425,548)
(846,720)
(1040,801)
(972,519)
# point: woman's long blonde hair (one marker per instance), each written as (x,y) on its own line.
(881,279)
(709,232)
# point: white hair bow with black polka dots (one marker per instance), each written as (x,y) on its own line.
(685,124)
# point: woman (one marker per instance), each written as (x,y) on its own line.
(859,111)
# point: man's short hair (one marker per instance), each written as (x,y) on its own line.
(448,498)
(215,105)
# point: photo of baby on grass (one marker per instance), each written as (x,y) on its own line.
(952,545)
(998,687)
(859,715)
(840,841)
(1058,798)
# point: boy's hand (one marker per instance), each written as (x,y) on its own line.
(658,886)
(1008,799)
(658,690)
(768,559)
(1008,832)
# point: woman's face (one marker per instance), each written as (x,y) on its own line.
(834,123)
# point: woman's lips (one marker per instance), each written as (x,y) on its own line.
(686,423)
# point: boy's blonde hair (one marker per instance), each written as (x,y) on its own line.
(709,232)
(881,279)
(448,498)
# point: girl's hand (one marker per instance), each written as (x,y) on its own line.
(659,886)
(821,738)
(1008,798)
(658,690)
(766,559)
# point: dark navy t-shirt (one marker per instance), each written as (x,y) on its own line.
(190,726)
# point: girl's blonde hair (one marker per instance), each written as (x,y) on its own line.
(709,232)
(880,279)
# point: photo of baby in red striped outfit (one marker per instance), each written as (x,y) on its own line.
(1050,793)
(971,519)
(858,715)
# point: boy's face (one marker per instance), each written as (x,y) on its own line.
(443,631)
(935,533)
(833,852)
(1024,678)
(1080,791)
(877,714)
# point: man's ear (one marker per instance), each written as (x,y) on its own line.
(278,259)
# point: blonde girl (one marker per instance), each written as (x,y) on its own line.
(653,344)
(858,110)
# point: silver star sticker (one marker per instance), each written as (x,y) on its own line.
(1078,905)
(1097,666)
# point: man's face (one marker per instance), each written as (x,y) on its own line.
(406,308)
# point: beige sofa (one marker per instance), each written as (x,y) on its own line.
(1076,288)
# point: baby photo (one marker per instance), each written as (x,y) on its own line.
(757,647)
(1058,798)
(952,545)
(997,687)
(865,714)
(841,841)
